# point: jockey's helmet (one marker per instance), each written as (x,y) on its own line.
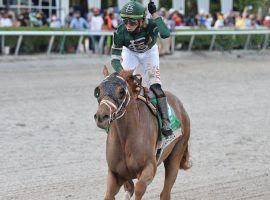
(133,10)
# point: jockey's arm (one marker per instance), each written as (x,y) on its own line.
(116,64)
(163,30)
(116,52)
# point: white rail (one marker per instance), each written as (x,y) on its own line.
(214,33)
(224,32)
(192,33)
(52,35)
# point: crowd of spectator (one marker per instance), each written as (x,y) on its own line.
(34,19)
(233,19)
(94,20)
(109,19)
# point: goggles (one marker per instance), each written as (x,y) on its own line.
(131,22)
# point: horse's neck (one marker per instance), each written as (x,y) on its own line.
(136,122)
(128,126)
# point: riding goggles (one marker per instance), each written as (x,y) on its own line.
(131,22)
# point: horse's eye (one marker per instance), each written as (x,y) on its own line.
(122,93)
(97,92)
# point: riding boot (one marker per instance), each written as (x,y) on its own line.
(163,109)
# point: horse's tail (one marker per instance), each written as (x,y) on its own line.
(185,163)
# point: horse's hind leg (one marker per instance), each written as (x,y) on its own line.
(113,185)
(172,164)
(185,162)
(129,189)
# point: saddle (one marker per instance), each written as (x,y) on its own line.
(149,98)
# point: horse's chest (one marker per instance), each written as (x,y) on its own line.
(126,165)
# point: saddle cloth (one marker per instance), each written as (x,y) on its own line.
(163,141)
(151,101)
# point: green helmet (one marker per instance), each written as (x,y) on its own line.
(133,10)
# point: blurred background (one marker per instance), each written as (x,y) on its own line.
(55,22)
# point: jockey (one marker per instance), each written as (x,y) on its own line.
(134,44)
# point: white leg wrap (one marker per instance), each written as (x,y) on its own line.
(127,196)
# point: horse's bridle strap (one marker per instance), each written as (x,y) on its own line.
(109,104)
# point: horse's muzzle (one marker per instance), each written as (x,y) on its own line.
(102,120)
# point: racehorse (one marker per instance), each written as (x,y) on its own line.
(133,135)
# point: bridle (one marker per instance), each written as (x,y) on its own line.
(117,112)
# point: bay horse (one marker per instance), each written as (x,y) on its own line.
(133,135)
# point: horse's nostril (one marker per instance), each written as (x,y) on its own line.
(101,117)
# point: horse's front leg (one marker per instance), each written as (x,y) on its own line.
(129,189)
(113,185)
(144,180)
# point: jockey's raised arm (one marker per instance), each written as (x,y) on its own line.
(162,27)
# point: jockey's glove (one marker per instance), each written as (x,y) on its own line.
(152,7)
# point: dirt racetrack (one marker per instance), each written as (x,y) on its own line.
(51,149)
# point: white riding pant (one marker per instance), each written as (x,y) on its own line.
(147,63)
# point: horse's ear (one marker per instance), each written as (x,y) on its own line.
(105,71)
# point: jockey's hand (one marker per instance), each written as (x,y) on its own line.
(137,80)
(152,7)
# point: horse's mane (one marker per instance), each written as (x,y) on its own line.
(131,80)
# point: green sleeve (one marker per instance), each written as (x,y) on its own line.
(116,64)
(117,51)
(162,28)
